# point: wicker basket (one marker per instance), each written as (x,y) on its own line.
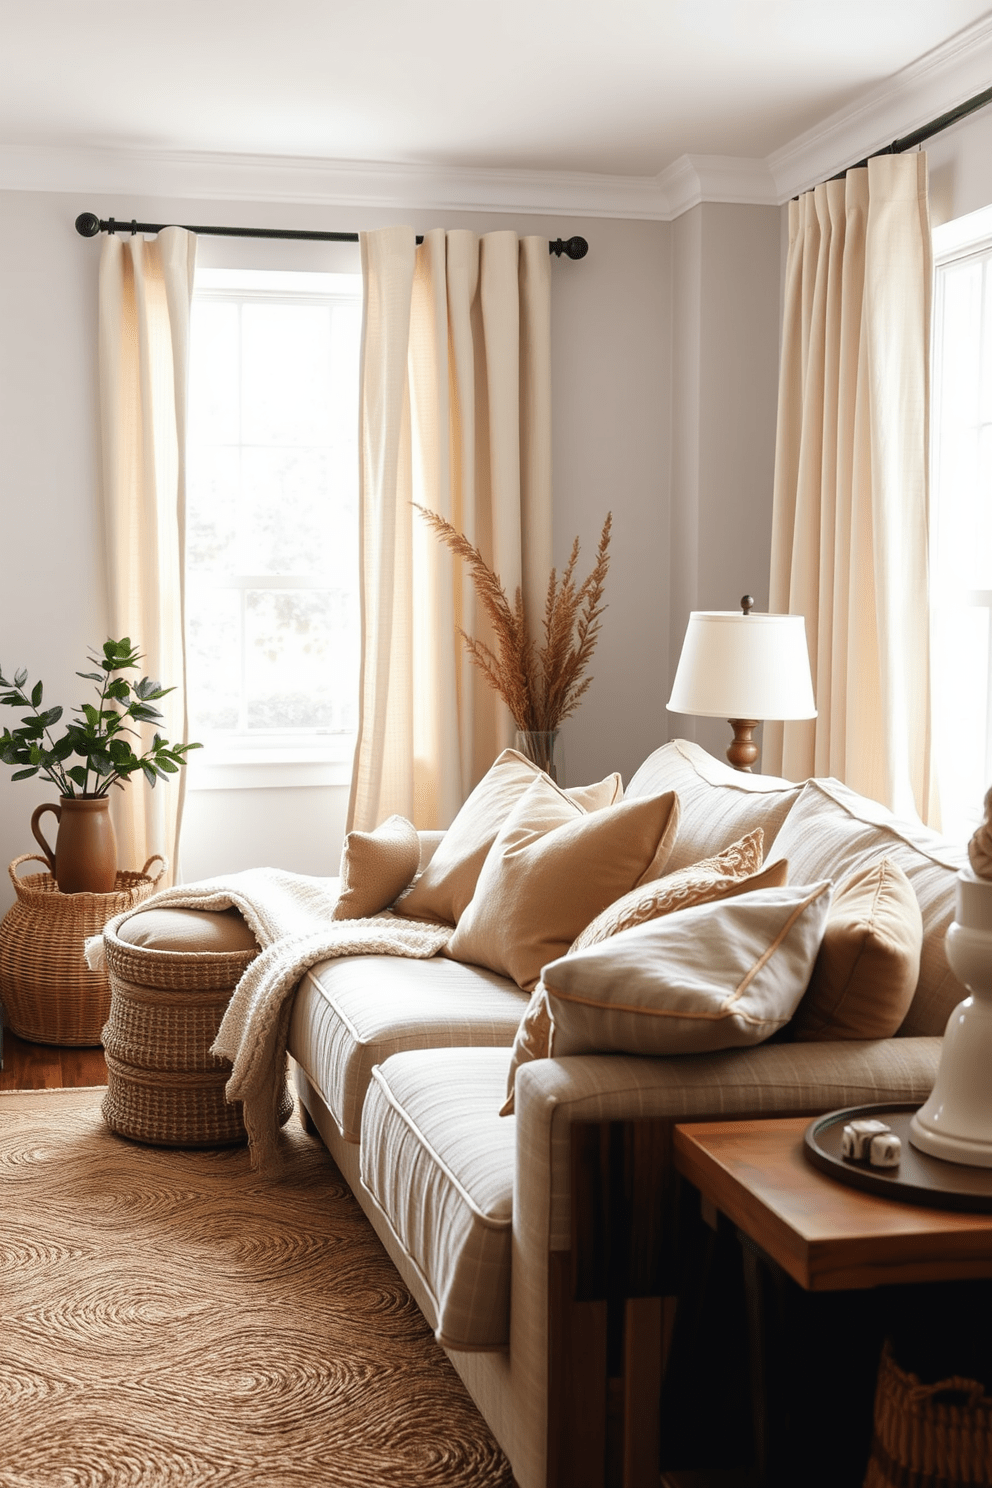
(49,994)
(163,1084)
(929,1435)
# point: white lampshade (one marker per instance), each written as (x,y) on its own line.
(744,666)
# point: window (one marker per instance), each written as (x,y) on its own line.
(272,510)
(961,523)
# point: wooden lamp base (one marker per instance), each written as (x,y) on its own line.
(743,752)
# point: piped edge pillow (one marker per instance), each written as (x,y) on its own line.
(376,867)
(717,976)
(447,884)
(552,868)
(865,974)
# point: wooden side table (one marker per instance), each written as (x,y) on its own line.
(825,1268)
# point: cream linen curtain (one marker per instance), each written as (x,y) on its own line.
(455,410)
(850,512)
(145,293)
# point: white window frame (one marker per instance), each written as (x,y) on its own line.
(968,237)
(273,758)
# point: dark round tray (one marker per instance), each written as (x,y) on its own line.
(919,1179)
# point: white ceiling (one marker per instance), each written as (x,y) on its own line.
(622,88)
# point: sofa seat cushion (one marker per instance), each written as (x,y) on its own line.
(352,1013)
(437,1162)
(717,805)
(832,832)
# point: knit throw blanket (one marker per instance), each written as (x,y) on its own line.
(291,917)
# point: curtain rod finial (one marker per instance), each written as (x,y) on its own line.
(87,224)
(571,247)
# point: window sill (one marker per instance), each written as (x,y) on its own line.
(267,769)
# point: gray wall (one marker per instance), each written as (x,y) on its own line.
(664,393)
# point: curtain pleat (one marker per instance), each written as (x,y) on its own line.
(455,415)
(850,510)
(145,295)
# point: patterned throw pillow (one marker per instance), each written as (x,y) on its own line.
(731,871)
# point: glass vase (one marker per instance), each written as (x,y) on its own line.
(546,750)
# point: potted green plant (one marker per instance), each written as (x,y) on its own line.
(91,755)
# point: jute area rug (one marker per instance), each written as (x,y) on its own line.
(168,1318)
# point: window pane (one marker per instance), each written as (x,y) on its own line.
(300,659)
(213,659)
(287,374)
(214,372)
(213,489)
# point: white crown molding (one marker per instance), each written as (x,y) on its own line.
(715,178)
(927,88)
(352,183)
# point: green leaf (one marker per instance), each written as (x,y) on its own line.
(91,676)
(36,694)
(20,677)
(78,774)
(150,775)
(50,716)
(24,774)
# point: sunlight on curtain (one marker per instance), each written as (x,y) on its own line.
(455,415)
(850,514)
(145,293)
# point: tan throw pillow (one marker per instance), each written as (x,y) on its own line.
(733,871)
(552,869)
(866,971)
(448,882)
(376,867)
(712,977)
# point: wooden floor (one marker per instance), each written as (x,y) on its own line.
(28,1066)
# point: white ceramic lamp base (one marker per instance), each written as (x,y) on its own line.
(956,1122)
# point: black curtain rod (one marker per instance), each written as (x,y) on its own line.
(88,224)
(925,131)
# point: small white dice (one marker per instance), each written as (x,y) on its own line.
(885,1150)
(856,1137)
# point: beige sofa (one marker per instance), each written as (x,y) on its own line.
(401,1067)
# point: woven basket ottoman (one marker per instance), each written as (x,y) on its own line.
(172,973)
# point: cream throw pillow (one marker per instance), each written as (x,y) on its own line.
(448,882)
(866,971)
(552,869)
(733,871)
(376,867)
(712,977)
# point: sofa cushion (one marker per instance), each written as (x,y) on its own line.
(712,977)
(352,1013)
(868,962)
(437,1163)
(735,870)
(718,805)
(376,867)
(448,881)
(552,869)
(832,832)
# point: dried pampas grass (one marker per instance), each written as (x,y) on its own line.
(541,684)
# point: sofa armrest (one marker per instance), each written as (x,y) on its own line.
(553,1095)
(429,843)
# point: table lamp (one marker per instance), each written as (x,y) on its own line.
(745,668)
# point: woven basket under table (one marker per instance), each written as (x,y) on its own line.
(49,994)
(926,1435)
(164,1085)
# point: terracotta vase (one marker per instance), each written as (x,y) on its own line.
(85,856)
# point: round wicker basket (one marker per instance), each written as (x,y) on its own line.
(49,994)
(163,1084)
(929,1434)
